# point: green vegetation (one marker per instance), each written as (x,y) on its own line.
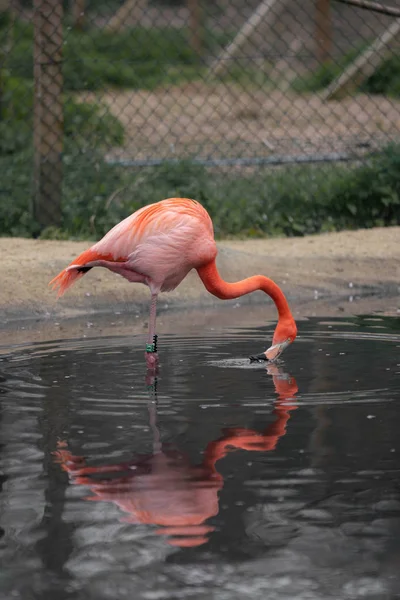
(87,123)
(143,58)
(325,73)
(96,195)
(96,59)
(385,80)
(295,201)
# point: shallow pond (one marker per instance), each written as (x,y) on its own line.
(216,479)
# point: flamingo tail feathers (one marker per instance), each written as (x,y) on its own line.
(73,272)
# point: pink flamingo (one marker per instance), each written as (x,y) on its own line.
(158,245)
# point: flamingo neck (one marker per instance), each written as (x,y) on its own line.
(214,284)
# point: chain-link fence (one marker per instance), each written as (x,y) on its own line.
(260,109)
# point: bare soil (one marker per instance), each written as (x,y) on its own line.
(329,268)
(222,120)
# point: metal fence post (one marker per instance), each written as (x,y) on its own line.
(78,13)
(195,25)
(48,111)
(323,30)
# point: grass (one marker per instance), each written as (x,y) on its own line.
(295,201)
(96,195)
(142,58)
(96,59)
(385,80)
(325,73)
(88,124)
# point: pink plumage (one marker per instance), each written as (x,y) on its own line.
(158,245)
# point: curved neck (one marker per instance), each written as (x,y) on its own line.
(214,283)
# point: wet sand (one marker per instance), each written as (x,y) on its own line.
(350,272)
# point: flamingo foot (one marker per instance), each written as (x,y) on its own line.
(151,354)
(151,360)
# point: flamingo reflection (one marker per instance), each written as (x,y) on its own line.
(163,488)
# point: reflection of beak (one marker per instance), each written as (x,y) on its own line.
(273,353)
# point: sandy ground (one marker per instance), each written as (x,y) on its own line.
(223,120)
(332,274)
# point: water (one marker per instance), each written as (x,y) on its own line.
(218,479)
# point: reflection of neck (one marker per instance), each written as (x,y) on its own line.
(249,439)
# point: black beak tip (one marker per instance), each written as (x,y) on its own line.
(258,358)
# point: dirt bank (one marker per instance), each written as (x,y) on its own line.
(221,119)
(323,269)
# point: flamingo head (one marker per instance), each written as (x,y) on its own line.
(285,334)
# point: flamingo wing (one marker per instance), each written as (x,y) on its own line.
(158,245)
(162,218)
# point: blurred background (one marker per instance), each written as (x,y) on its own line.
(281,116)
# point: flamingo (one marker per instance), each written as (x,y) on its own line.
(158,245)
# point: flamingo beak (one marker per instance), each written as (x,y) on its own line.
(273,353)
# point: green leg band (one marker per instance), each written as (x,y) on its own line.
(151,348)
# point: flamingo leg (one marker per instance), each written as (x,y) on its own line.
(151,346)
(152,319)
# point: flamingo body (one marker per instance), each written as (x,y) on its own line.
(158,245)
